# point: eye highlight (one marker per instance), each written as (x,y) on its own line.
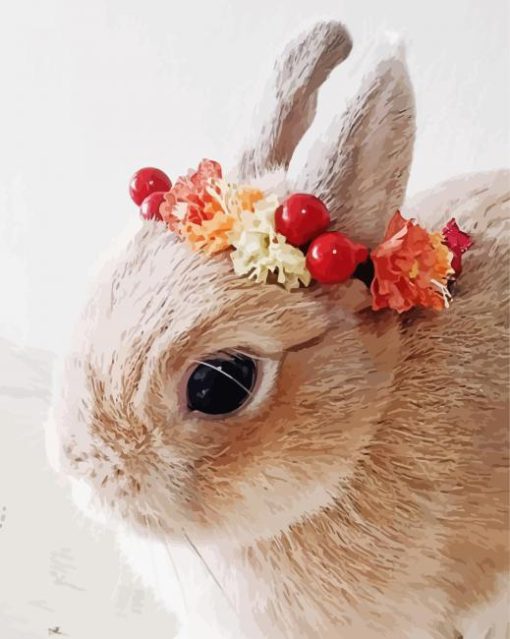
(222,384)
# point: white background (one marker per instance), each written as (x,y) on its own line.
(92,90)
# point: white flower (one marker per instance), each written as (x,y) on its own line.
(260,250)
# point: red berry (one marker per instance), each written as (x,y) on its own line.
(147,181)
(149,209)
(301,217)
(332,257)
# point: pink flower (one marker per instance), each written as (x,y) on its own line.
(458,242)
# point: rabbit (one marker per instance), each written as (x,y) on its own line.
(361,490)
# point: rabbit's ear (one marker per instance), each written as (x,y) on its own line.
(289,105)
(360,168)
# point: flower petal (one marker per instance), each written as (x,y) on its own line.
(411,267)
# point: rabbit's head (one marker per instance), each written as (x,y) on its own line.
(198,401)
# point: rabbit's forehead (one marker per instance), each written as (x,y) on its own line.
(159,284)
(154,301)
(157,268)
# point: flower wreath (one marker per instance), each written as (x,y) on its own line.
(288,241)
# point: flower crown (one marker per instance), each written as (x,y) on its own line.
(288,241)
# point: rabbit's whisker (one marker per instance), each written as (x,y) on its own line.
(209,570)
(173,564)
(177,576)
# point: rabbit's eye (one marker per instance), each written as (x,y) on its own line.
(221,385)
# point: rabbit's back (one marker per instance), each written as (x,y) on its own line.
(456,371)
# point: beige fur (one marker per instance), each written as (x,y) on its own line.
(363,493)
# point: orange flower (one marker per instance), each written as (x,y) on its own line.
(411,268)
(203,209)
(248,197)
(211,236)
(191,191)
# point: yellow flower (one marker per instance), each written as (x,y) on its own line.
(260,250)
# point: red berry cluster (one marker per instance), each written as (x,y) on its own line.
(147,189)
(331,257)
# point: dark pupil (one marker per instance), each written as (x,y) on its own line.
(220,385)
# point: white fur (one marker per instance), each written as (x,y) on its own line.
(489,620)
